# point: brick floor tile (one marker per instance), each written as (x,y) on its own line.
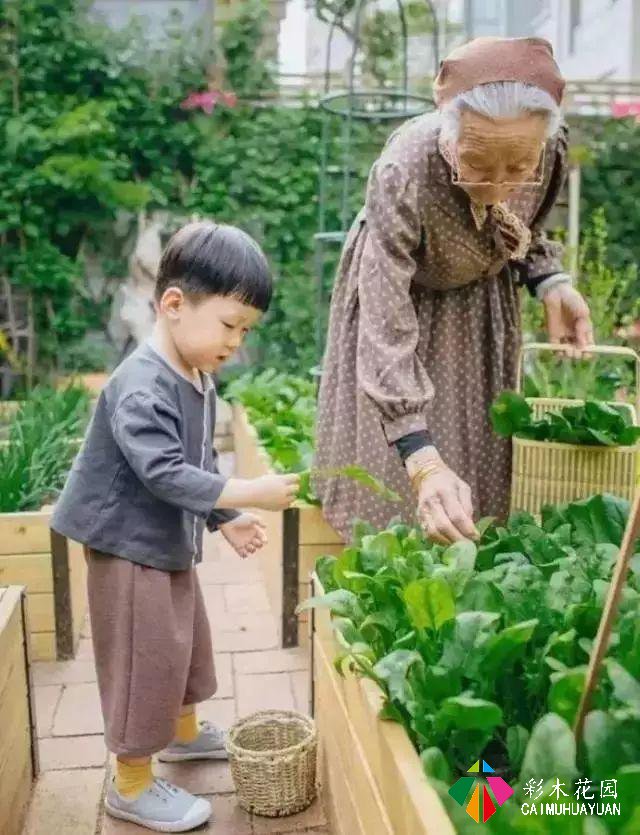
(243,639)
(222,712)
(272,661)
(85,649)
(214,599)
(78,711)
(312,817)
(246,598)
(212,777)
(224,676)
(47,698)
(65,803)
(228,818)
(63,752)
(85,632)
(228,569)
(266,691)
(301,684)
(63,672)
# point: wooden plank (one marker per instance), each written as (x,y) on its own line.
(336,790)
(290,551)
(26,646)
(15,736)
(18,802)
(30,570)
(10,647)
(62,594)
(43,646)
(79,602)
(315,530)
(15,720)
(344,745)
(15,805)
(10,619)
(383,748)
(25,533)
(42,616)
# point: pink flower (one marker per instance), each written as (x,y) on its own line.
(620,109)
(206,100)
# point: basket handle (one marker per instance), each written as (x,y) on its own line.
(608,350)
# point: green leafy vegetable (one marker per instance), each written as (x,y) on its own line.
(282,409)
(481,648)
(593,424)
(42,443)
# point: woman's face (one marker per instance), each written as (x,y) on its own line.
(499,152)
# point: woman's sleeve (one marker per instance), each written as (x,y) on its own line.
(389,370)
(544,258)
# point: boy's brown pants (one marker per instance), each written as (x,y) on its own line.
(153,653)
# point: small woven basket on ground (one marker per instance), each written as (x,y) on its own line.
(554,473)
(273,762)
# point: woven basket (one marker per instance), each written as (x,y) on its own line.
(273,762)
(544,472)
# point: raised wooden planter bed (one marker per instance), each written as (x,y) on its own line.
(94,382)
(53,570)
(371,775)
(18,739)
(297,537)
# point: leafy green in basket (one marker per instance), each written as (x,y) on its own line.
(591,424)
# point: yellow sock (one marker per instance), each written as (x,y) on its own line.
(132,780)
(187,728)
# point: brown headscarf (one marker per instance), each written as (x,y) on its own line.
(486,60)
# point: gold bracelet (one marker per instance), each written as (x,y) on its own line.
(423,472)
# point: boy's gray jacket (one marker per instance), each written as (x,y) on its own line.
(146,478)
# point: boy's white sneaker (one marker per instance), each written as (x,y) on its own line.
(208,745)
(162,807)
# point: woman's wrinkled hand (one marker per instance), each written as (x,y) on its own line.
(568,320)
(445,508)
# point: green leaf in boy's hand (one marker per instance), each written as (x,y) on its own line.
(363,477)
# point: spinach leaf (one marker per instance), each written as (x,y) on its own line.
(593,423)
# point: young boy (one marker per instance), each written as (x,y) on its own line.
(139,494)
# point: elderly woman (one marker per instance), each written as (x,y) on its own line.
(425,316)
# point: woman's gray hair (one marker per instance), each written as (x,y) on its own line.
(499,100)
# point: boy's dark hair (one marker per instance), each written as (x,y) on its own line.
(206,258)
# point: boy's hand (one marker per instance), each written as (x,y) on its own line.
(275,492)
(246,534)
